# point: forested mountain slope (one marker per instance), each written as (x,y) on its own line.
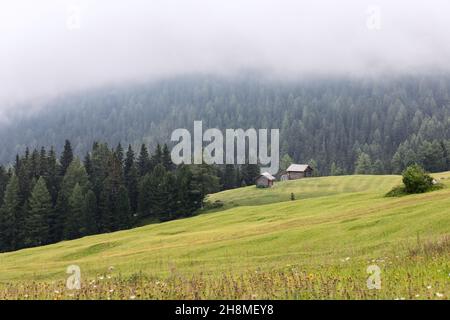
(385,123)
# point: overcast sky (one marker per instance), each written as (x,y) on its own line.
(53,46)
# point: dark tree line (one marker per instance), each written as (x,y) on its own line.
(44,199)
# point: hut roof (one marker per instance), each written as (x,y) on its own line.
(267,175)
(298,168)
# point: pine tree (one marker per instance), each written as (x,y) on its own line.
(286,161)
(131,179)
(4,178)
(249,173)
(52,178)
(166,159)
(119,153)
(152,193)
(122,209)
(109,195)
(74,224)
(87,164)
(43,163)
(90,211)
(363,165)
(9,214)
(100,158)
(313,164)
(336,170)
(34,164)
(75,173)
(25,177)
(66,157)
(157,157)
(378,167)
(36,223)
(57,218)
(143,161)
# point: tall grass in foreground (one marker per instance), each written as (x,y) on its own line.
(423,272)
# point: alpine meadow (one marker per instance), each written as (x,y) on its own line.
(234,152)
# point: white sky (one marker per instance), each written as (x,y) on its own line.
(53,46)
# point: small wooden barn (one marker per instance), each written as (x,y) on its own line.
(298,171)
(265,180)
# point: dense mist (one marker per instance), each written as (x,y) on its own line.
(58,46)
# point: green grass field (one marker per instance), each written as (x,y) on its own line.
(261,245)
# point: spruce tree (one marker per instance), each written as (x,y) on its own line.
(4,178)
(43,163)
(66,157)
(249,173)
(90,213)
(122,209)
(109,195)
(363,165)
(166,159)
(74,224)
(34,164)
(143,161)
(51,176)
(131,179)
(36,223)
(157,157)
(152,193)
(9,212)
(119,153)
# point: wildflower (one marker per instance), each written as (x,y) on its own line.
(428,287)
(111,291)
(101,278)
(56,291)
(439,295)
(417,295)
(108,276)
(348,258)
(132,297)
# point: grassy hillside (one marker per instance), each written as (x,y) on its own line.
(306,188)
(334,229)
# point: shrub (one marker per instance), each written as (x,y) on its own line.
(397,191)
(416,180)
(213,205)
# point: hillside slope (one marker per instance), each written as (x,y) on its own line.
(309,231)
